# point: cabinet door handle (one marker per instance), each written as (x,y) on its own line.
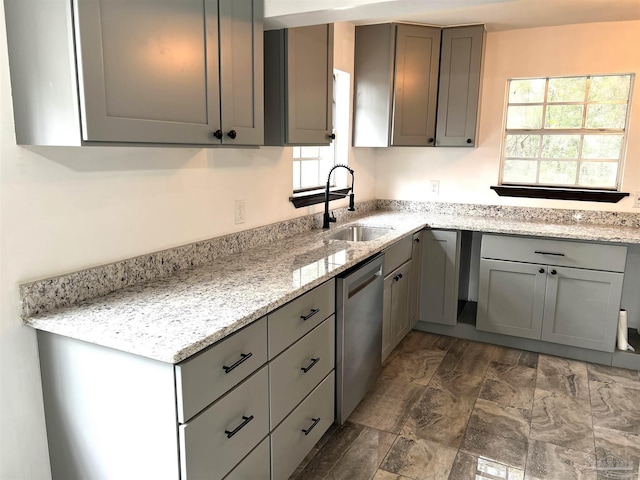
(243,357)
(430,140)
(541,270)
(232,134)
(218,134)
(332,136)
(313,362)
(397,277)
(553,272)
(469,140)
(417,240)
(245,420)
(313,425)
(310,314)
(541,252)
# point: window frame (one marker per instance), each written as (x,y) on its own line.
(539,189)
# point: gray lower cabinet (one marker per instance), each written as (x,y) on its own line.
(415,280)
(440,264)
(302,429)
(217,439)
(551,301)
(396,85)
(299,85)
(149,71)
(256,465)
(396,322)
(396,302)
(236,410)
(459,87)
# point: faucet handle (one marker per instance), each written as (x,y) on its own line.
(332,217)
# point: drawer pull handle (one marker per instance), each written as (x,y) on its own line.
(313,425)
(311,314)
(540,252)
(313,362)
(243,357)
(245,420)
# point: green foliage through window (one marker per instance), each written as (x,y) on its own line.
(566,131)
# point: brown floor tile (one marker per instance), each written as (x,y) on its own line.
(512,356)
(546,461)
(621,376)
(471,467)
(384,475)
(353,452)
(388,405)
(498,433)
(510,385)
(617,449)
(564,376)
(615,406)
(556,419)
(465,356)
(419,459)
(416,366)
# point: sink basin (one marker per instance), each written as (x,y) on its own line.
(358,233)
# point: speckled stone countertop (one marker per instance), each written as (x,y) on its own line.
(173,317)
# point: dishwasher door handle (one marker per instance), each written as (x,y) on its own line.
(353,291)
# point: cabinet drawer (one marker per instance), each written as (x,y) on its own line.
(203,378)
(255,466)
(397,254)
(296,318)
(288,382)
(555,252)
(206,450)
(289,443)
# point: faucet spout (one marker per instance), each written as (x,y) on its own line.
(327,219)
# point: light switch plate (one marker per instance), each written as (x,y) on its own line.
(240,212)
(636,199)
(434,187)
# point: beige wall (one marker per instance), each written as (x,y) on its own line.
(465,175)
(63,209)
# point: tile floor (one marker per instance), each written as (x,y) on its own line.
(448,408)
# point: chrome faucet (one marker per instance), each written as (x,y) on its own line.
(330,218)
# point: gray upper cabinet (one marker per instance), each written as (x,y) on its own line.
(396,85)
(143,71)
(459,91)
(299,86)
(417,85)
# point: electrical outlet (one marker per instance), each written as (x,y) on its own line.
(636,199)
(434,187)
(240,212)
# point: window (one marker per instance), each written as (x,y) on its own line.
(566,132)
(311,164)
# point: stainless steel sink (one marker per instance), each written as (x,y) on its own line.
(358,233)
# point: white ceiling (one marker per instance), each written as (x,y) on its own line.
(495,14)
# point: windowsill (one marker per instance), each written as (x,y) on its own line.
(314,197)
(554,193)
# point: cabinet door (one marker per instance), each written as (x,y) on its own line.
(458,97)
(400,324)
(581,308)
(148,70)
(387,340)
(439,279)
(415,93)
(309,60)
(241,72)
(511,298)
(414,281)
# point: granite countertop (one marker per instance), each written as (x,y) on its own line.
(171,318)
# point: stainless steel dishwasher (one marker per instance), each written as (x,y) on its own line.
(359,294)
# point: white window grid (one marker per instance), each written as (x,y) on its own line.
(545,131)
